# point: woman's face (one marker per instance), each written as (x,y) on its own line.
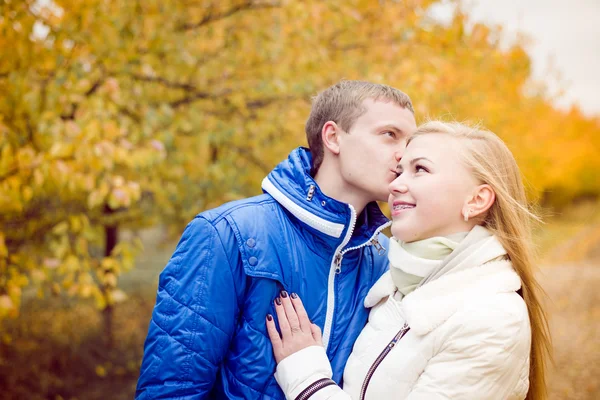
(431,190)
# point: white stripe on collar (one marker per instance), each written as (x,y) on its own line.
(314,221)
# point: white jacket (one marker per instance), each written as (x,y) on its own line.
(469,338)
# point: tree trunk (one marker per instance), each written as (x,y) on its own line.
(111,234)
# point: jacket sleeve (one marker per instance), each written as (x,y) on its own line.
(486,358)
(296,374)
(194,317)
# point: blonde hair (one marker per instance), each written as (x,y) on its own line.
(510,219)
(342,103)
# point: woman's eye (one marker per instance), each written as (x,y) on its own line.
(420,168)
(391,134)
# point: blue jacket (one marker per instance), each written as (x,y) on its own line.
(207,337)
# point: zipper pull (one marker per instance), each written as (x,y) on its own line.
(311,192)
(380,249)
(338,263)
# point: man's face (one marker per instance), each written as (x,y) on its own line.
(371,150)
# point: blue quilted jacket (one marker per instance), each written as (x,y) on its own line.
(207,337)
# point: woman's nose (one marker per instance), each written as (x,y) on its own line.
(398,186)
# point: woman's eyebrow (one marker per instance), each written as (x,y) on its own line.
(413,161)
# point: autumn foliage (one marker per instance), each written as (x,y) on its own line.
(125,114)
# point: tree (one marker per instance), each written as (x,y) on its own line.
(127,114)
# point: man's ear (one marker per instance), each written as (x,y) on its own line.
(330,135)
(481,201)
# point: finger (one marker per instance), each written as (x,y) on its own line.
(273,333)
(291,314)
(301,312)
(274,336)
(316,334)
(284,325)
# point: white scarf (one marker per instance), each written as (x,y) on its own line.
(411,262)
(477,248)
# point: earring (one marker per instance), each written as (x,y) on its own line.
(466,215)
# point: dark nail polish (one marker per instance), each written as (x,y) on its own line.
(294,296)
(278,301)
(269,317)
(283,294)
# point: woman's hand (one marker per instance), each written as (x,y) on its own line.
(297,332)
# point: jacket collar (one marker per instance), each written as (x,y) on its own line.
(292,186)
(476,268)
(430,305)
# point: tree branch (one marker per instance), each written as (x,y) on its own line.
(88,93)
(198,96)
(249,155)
(164,82)
(212,17)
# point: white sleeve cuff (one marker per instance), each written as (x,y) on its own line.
(299,370)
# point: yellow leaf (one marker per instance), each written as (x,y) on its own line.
(25,157)
(71,263)
(55,288)
(3,249)
(100,371)
(6,338)
(118,296)
(85,291)
(6,303)
(119,198)
(109,264)
(110,280)
(60,228)
(51,263)
(75,224)
(38,177)
(81,246)
(27,193)
(95,199)
(61,150)
(38,276)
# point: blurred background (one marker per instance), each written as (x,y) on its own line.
(122,119)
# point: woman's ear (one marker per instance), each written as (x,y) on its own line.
(331,135)
(481,201)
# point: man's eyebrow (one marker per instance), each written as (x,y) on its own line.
(391,127)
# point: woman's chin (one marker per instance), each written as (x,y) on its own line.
(402,236)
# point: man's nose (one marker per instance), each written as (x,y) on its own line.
(398,154)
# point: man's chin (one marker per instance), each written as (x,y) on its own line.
(384,196)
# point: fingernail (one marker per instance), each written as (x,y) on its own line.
(294,296)
(269,317)
(278,301)
(283,294)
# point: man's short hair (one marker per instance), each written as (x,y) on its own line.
(342,103)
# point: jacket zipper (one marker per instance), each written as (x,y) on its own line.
(336,269)
(405,328)
(314,388)
(373,241)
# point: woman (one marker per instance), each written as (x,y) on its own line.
(458,316)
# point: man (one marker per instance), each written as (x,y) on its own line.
(315,232)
